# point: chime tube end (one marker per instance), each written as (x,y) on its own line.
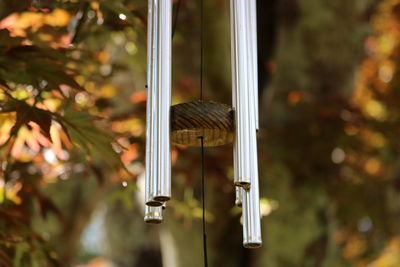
(238,196)
(161,199)
(243,184)
(252,236)
(252,242)
(238,202)
(153,220)
(153,215)
(154,203)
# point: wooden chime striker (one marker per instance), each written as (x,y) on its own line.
(218,124)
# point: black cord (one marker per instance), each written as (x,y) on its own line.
(203,203)
(201,48)
(203,199)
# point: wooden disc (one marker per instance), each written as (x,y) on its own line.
(213,121)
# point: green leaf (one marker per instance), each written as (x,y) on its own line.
(6,41)
(26,114)
(28,64)
(82,132)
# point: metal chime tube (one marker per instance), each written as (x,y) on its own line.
(153,215)
(158,157)
(163,183)
(251,199)
(149,112)
(252,5)
(240,96)
(238,191)
(251,215)
(244,56)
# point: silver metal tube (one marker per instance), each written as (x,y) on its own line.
(164,88)
(150,115)
(244,98)
(153,215)
(252,16)
(154,111)
(160,92)
(240,92)
(236,165)
(244,68)
(252,236)
(148,103)
(234,89)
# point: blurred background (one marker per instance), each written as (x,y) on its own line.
(72,129)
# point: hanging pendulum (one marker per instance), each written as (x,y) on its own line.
(213,121)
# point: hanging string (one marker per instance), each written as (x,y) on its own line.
(203,203)
(203,199)
(201,48)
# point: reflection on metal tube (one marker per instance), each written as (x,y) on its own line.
(238,189)
(158,168)
(239,196)
(153,215)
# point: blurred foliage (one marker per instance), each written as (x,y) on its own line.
(337,174)
(56,121)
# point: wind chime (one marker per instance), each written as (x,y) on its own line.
(203,123)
